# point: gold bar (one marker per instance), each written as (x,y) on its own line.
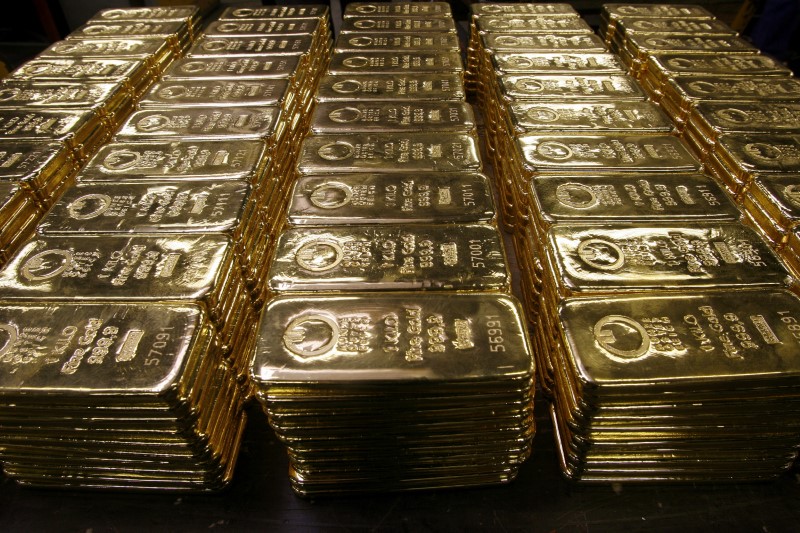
(373,198)
(386,152)
(40,167)
(381,257)
(232,92)
(542,87)
(124,208)
(166,29)
(605,153)
(556,63)
(633,117)
(779,197)
(176,161)
(397,9)
(241,68)
(104,97)
(232,46)
(397,24)
(668,65)
(397,42)
(202,123)
(123,48)
(511,42)
(630,198)
(339,117)
(689,90)
(607,259)
(262,27)
(642,46)
(715,118)
(186,13)
(673,26)
(406,352)
(419,87)
(81,130)
(746,155)
(390,62)
(491,9)
(318,11)
(532,24)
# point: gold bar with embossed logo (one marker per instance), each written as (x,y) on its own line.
(263,27)
(258,67)
(745,155)
(380,257)
(429,87)
(373,25)
(542,43)
(641,118)
(82,131)
(112,101)
(338,117)
(177,33)
(235,46)
(389,152)
(404,41)
(390,62)
(317,11)
(374,198)
(156,53)
(555,63)
(712,119)
(133,73)
(543,87)
(227,93)
(42,169)
(397,9)
(529,24)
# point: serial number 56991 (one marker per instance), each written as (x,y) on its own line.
(494,330)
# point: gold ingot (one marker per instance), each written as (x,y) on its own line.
(339,117)
(642,46)
(177,161)
(187,93)
(389,152)
(607,259)
(745,155)
(317,11)
(641,118)
(604,153)
(84,69)
(233,46)
(668,65)
(513,42)
(106,98)
(80,130)
(155,52)
(778,196)
(187,13)
(555,63)
(263,27)
(713,119)
(177,33)
(528,24)
(413,87)
(257,67)
(397,9)
(543,87)
(397,42)
(446,335)
(690,90)
(380,257)
(40,168)
(675,11)
(627,26)
(561,10)
(390,62)
(376,25)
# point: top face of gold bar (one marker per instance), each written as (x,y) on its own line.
(749,117)
(678,11)
(23,161)
(175,160)
(512,42)
(385,41)
(43,124)
(139,28)
(80,69)
(722,87)
(398,24)
(25,93)
(532,24)
(116,268)
(247,67)
(783,192)
(708,340)
(389,257)
(148,13)
(397,9)
(673,64)
(271,12)
(605,153)
(106,48)
(341,117)
(654,44)
(231,92)
(389,152)
(554,63)
(430,87)
(227,46)
(631,26)
(389,62)
(762,153)
(120,208)
(491,9)
(261,27)
(201,123)
(373,198)
(542,87)
(395,338)
(630,198)
(81,350)
(641,117)
(663,257)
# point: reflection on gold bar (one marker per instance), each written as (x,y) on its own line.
(539,87)
(561,10)
(397,9)
(232,92)
(340,117)
(511,42)
(390,62)
(433,87)
(532,24)
(320,11)
(247,68)
(397,42)
(262,27)
(556,63)
(227,46)
(633,117)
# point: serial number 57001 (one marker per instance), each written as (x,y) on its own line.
(494,330)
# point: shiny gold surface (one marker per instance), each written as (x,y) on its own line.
(149,13)
(262,27)
(556,63)
(107,48)
(511,42)
(340,117)
(202,123)
(232,92)
(639,117)
(778,196)
(375,25)
(544,87)
(672,25)
(373,198)
(386,152)
(714,119)
(245,68)
(288,11)
(644,45)
(389,62)
(63,95)
(397,9)
(673,64)
(747,154)
(591,259)
(226,46)
(381,257)
(85,69)
(432,87)
(386,41)
(506,23)
(687,89)
(136,28)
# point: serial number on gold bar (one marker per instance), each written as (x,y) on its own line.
(231,92)
(248,67)
(630,197)
(386,41)
(512,42)
(397,9)
(121,208)
(433,87)
(532,24)
(260,27)
(398,24)
(381,257)
(175,160)
(542,87)
(641,117)
(665,257)
(392,337)
(116,268)
(373,198)
(388,152)
(270,12)
(201,123)
(556,63)
(390,62)
(227,46)
(605,153)
(336,117)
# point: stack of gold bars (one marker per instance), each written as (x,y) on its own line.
(388,390)
(612,219)
(159,251)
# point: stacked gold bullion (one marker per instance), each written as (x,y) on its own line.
(612,220)
(57,109)
(145,259)
(413,371)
